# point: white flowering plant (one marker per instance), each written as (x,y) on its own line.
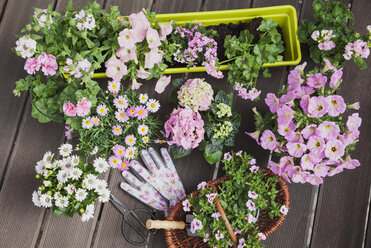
(247,194)
(332,36)
(70,185)
(71,44)
(120,126)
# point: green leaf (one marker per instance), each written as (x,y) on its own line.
(69,6)
(57,212)
(179,151)
(213,153)
(222,97)
(178,82)
(267,25)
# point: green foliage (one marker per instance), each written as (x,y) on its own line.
(179,151)
(336,17)
(233,195)
(248,57)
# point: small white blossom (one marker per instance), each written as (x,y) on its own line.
(89,213)
(46,200)
(65,150)
(100,165)
(80,194)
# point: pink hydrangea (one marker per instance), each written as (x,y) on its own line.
(196,94)
(185,127)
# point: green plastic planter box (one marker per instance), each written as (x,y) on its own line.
(284,15)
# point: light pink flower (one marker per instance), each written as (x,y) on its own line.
(165,29)
(294,80)
(83,107)
(315,35)
(114,87)
(318,106)
(162,83)
(201,185)
(253,94)
(309,130)
(49,64)
(268,140)
(140,25)
(304,103)
(32,65)
(336,105)
(143,74)
(300,68)
(296,149)
(141,112)
(117,130)
(284,129)
(334,150)
(262,236)
(219,235)
(254,169)
(69,109)
(255,135)
(306,163)
(124,166)
(127,54)
(121,102)
(317,81)
(211,197)
(276,168)
(284,115)
(354,106)
(130,140)
(119,150)
(250,218)
(354,122)
(321,170)
(313,179)
(212,70)
(216,215)
(316,144)
(95,120)
(294,137)
(250,205)
(333,171)
(328,130)
(115,69)
(126,38)
(135,85)
(272,101)
(153,38)
(153,57)
(121,116)
(351,163)
(335,78)
(227,156)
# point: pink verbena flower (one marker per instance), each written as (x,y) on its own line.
(268,140)
(32,65)
(185,127)
(162,83)
(272,101)
(115,69)
(318,106)
(196,94)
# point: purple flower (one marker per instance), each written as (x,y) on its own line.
(252,194)
(316,144)
(268,140)
(317,81)
(296,149)
(354,122)
(284,115)
(186,205)
(321,170)
(276,168)
(272,101)
(219,235)
(288,98)
(239,153)
(68,132)
(196,225)
(124,166)
(250,218)
(284,210)
(328,130)
(336,105)
(318,106)
(254,169)
(334,150)
(313,179)
(227,156)
(294,80)
(216,215)
(250,205)
(241,243)
(201,185)
(309,130)
(253,94)
(210,197)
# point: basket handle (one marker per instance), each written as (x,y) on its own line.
(164,224)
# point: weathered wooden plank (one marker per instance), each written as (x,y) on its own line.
(226,4)
(127,7)
(169,6)
(338,210)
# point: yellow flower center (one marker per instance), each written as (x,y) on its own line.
(123,165)
(122,115)
(101,110)
(143,98)
(131,153)
(145,139)
(132,111)
(121,151)
(131,140)
(153,105)
(114,161)
(127,37)
(140,112)
(87,122)
(96,121)
(121,102)
(117,130)
(143,130)
(114,86)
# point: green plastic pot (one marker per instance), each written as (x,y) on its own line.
(284,15)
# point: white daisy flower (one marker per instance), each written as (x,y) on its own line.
(87,123)
(65,150)
(102,110)
(47,183)
(61,202)
(143,129)
(48,156)
(49,165)
(36,198)
(153,105)
(121,102)
(114,87)
(80,195)
(57,195)
(90,181)
(75,160)
(130,152)
(104,195)
(46,200)
(89,213)
(145,139)
(62,176)
(66,164)
(100,165)
(75,173)
(100,186)
(57,164)
(70,188)
(40,167)
(143,98)
(94,151)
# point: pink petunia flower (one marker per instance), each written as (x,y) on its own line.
(69,109)
(117,130)
(32,65)
(152,57)
(294,80)
(115,69)
(272,101)
(196,225)
(336,78)
(186,205)
(252,194)
(321,170)
(227,156)
(296,149)
(336,105)
(317,80)
(354,122)
(83,107)
(143,74)
(334,150)
(126,38)
(253,94)
(255,135)
(153,38)
(318,106)
(294,137)
(316,144)
(313,179)
(141,112)
(165,29)
(284,115)
(328,130)
(127,54)
(351,163)
(309,130)
(162,83)
(285,129)
(304,103)
(268,140)
(140,25)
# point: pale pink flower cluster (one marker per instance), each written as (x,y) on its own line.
(82,108)
(47,62)
(26,47)
(318,149)
(324,39)
(355,49)
(77,68)
(84,21)
(242,92)
(42,17)
(185,128)
(196,94)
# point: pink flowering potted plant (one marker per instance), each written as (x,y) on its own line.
(203,119)
(248,197)
(309,128)
(331,35)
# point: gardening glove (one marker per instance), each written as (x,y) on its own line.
(143,192)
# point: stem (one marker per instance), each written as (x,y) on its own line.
(225,61)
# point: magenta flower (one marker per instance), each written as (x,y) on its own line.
(296,149)
(126,54)
(306,162)
(321,170)
(69,109)
(309,130)
(196,225)
(288,98)
(115,69)
(304,90)
(83,107)
(317,81)
(334,150)
(186,205)
(162,83)
(284,115)
(124,166)
(126,38)
(153,38)
(117,130)
(268,140)
(253,94)
(32,65)
(216,215)
(119,150)
(250,205)
(318,106)
(131,111)
(272,101)
(68,132)
(328,130)
(141,112)
(351,163)
(313,179)
(153,57)
(294,80)
(316,144)
(252,194)
(336,105)
(211,197)
(354,122)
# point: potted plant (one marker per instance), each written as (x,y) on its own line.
(254,203)
(306,127)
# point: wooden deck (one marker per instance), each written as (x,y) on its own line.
(336,214)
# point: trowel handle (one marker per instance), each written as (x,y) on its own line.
(164,224)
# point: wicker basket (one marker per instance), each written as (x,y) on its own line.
(179,238)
